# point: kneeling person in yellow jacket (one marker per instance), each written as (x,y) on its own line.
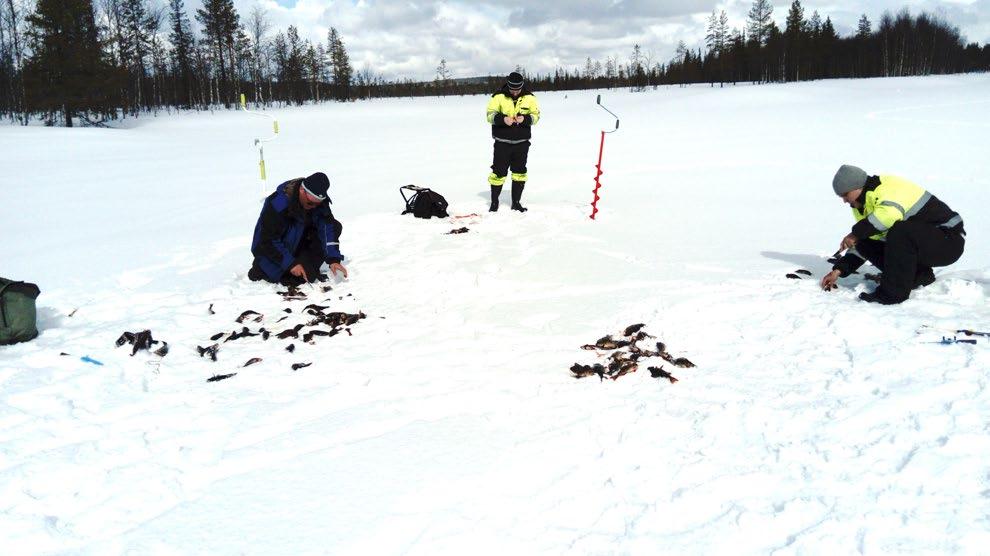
(511,112)
(900,228)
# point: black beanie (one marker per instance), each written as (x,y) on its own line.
(515,80)
(317,185)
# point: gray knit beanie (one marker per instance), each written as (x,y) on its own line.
(848,178)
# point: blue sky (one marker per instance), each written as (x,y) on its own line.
(407,38)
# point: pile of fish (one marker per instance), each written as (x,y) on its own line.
(320,322)
(795,275)
(626,356)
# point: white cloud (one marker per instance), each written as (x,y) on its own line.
(407,38)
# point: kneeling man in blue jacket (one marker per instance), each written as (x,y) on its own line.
(296,233)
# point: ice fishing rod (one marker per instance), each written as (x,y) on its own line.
(260,143)
(946,341)
(963,331)
(601,148)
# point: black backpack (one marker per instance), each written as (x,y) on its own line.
(424,202)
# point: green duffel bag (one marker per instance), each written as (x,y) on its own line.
(18,314)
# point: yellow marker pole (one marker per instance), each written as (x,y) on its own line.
(260,144)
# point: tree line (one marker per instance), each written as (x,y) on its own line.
(73,62)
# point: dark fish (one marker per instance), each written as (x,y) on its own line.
(313,308)
(286,310)
(658,372)
(162,351)
(607,342)
(250,314)
(217,336)
(326,288)
(661,347)
(217,378)
(682,362)
(457,231)
(290,333)
(252,361)
(581,371)
(142,340)
(281,319)
(212,312)
(793,276)
(803,271)
(63,353)
(619,367)
(308,337)
(244,333)
(265,334)
(211,351)
(292,294)
(632,329)
(297,366)
(290,348)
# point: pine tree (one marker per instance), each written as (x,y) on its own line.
(183,43)
(293,67)
(794,35)
(314,69)
(340,65)
(442,79)
(636,71)
(134,22)
(67,73)
(759,21)
(863,28)
(220,27)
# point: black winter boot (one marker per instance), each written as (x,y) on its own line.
(517,189)
(924,277)
(496,190)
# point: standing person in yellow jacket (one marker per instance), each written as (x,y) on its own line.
(512,112)
(900,228)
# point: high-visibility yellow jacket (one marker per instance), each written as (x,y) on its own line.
(502,104)
(890,199)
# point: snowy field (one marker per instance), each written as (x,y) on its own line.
(449,423)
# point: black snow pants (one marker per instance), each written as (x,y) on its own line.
(510,156)
(910,252)
(309,254)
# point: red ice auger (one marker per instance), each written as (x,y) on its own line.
(598,167)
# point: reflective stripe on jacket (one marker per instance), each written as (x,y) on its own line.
(890,199)
(502,104)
